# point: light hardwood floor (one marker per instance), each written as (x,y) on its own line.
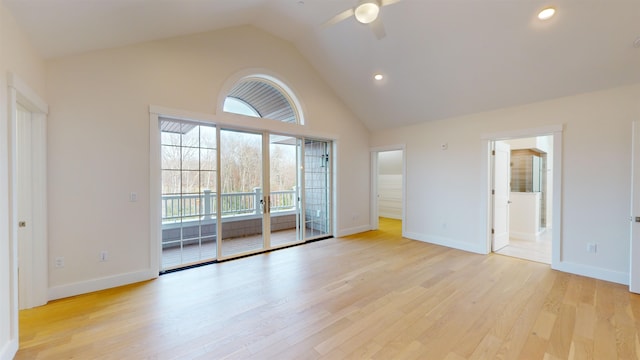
(373,295)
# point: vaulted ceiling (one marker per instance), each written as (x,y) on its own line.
(440,58)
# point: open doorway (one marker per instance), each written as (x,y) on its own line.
(522,197)
(387,203)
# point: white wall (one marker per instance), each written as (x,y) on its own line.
(445,196)
(99,141)
(16,56)
(390,184)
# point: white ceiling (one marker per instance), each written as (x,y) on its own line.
(441,58)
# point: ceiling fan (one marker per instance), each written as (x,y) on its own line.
(365,12)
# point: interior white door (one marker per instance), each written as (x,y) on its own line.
(501,190)
(29,195)
(634,270)
(25,201)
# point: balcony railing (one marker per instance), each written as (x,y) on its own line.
(176,208)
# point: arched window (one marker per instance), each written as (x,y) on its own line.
(237,106)
(262,97)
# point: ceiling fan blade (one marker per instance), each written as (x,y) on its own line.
(378,28)
(336,19)
(388,2)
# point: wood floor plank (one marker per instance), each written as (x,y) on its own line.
(605,330)
(487,349)
(562,332)
(503,310)
(373,295)
(585,321)
(514,341)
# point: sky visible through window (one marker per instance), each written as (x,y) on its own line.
(236,106)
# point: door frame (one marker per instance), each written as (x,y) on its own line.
(555,131)
(373,213)
(634,246)
(34,265)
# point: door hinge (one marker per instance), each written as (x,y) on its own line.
(493,231)
(493,192)
(493,152)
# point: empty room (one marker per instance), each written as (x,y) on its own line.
(207,179)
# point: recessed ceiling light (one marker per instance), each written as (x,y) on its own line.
(378,77)
(546,13)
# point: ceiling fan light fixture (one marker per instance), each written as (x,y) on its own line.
(367,12)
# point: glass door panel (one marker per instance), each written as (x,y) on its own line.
(316,191)
(188,166)
(284,186)
(242,200)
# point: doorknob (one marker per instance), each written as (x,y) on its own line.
(22,224)
(637,218)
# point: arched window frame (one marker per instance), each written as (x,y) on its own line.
(272,80)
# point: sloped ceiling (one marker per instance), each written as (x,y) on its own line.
(440,58)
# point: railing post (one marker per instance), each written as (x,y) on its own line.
(258,199)
(207,204)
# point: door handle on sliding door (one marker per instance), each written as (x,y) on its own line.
(266,204)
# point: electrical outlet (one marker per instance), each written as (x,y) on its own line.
(592,247)
(133,196)
(104,256)
(59,262)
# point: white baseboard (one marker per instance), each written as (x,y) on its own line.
(353,230)
(9,350)
(592,272)
(525,236)
(83,287)
(390,215)
(437,240)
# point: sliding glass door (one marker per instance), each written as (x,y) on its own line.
(188,168)
(317,189)
(285,210)
(243,200)
(274,191)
